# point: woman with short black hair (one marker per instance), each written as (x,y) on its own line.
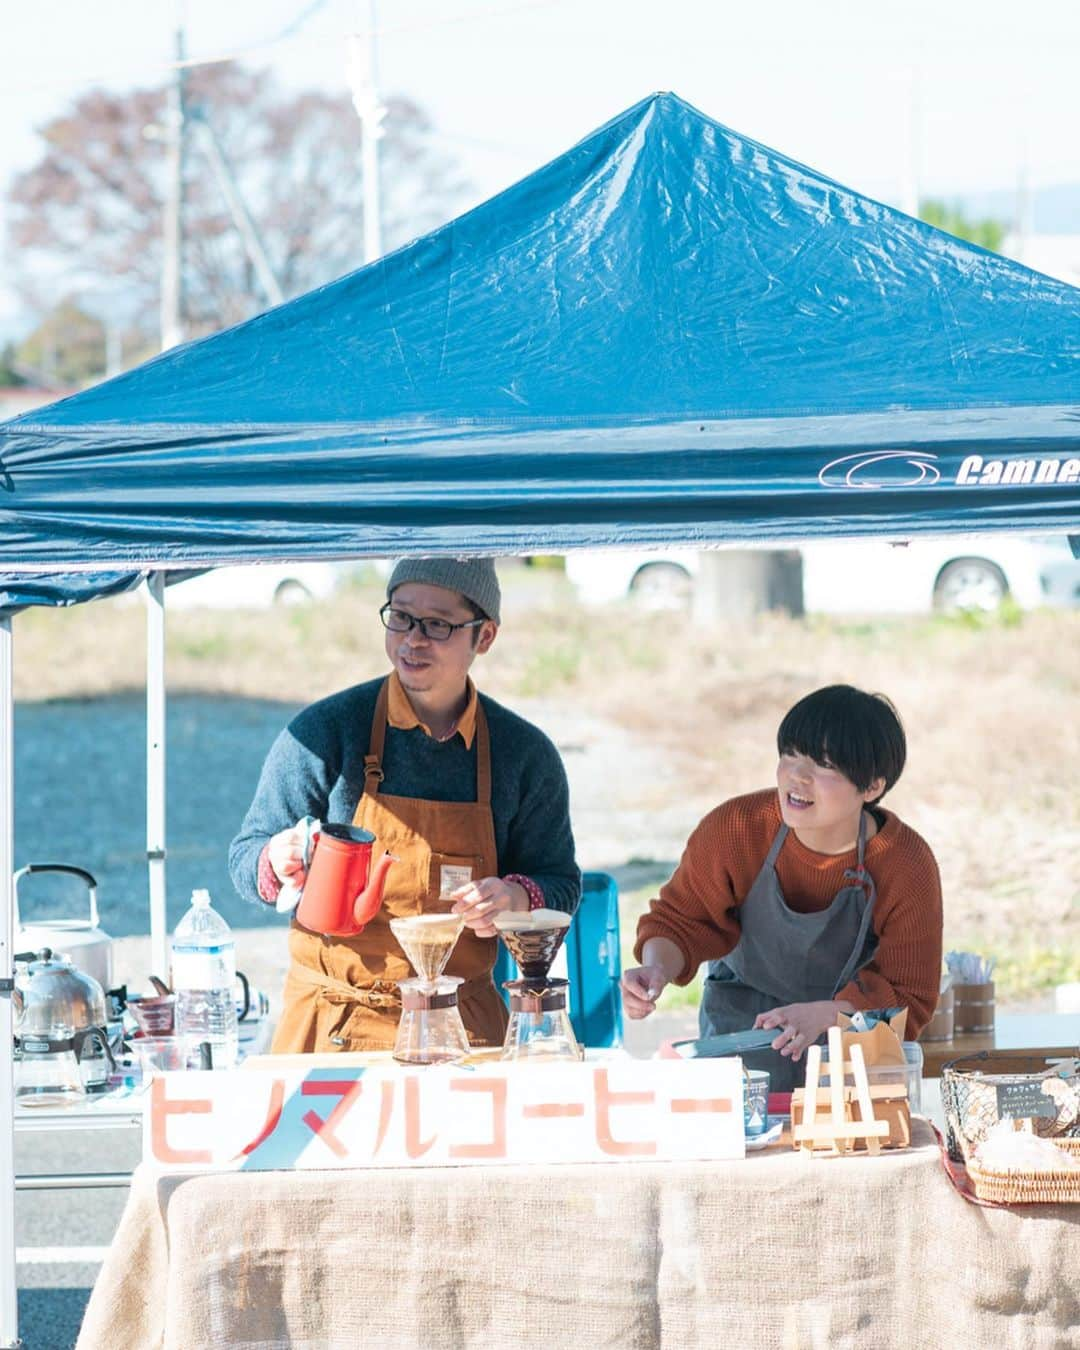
(808,899)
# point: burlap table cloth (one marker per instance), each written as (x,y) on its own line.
(779,1250)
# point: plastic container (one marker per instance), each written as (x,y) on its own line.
(906,1077)
(155,1014)
(161,1054)
(203,974)
(913,1053)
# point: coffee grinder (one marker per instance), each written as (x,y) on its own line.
(540,1025)
(431,1030)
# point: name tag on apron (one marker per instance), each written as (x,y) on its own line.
(451,876)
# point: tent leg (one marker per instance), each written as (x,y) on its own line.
(155,771)
(9,1305)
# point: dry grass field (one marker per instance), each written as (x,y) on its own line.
(990,706)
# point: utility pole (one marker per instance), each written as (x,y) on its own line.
(172,265)
(245,225)
(363,77)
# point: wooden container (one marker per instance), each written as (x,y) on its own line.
(894,1110)
(940,1026)
(973,1009)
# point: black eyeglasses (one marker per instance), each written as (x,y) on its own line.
(438,630)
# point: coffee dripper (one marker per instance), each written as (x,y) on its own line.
(539,1026)
(431,1030)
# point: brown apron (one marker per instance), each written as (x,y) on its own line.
(341,993)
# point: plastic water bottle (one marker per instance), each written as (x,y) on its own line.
(203,974)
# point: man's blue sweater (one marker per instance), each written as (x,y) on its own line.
(316,768)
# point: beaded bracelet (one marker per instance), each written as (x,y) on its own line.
(269,883)
(530,887)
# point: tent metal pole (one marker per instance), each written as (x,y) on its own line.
(9,1305)
(155,770)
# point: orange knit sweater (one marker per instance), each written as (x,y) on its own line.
(698,909)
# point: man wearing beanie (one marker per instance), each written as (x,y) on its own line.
(470,798)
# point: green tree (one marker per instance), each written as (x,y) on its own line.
(9,376)
(988,233)
(67,348)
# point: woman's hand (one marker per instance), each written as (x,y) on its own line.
(641,987)
(801,1024)
(285,852)
(479,902)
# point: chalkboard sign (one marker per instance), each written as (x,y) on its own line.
(1021,1101)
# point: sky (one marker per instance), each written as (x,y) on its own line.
(933,99)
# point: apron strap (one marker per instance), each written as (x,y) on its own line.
(380,994)
(864,879)
(774,849)
(483,757)
(373,771)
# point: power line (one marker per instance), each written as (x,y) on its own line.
(288,34)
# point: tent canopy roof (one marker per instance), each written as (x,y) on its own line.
(669,333)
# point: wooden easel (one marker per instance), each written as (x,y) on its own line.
(836,1131)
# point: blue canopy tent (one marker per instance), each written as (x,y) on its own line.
(669,334)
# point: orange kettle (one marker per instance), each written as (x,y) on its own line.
(342,893)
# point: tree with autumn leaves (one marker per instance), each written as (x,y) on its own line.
(86,219)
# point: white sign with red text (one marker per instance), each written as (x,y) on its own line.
(389,1116)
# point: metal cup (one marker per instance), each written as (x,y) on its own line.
(755,1101)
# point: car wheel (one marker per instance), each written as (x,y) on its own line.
(970,583)
(291,592)
(662,585)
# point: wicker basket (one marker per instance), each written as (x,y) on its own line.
(1027,1188)
(970,1097)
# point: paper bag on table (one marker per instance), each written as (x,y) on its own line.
(883,1043)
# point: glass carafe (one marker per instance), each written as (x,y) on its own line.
(539,1026)
(47,1070)
(431,1030)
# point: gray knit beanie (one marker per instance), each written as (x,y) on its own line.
(474,578)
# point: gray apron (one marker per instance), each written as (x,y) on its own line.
(783,957)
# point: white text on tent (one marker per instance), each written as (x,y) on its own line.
(978,472)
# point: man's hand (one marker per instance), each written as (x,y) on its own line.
(479,902)
(285,852)
(801,1024)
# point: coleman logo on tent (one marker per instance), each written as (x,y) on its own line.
(978,472)
(881,469)
(914,468)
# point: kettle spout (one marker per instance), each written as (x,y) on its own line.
(370,899)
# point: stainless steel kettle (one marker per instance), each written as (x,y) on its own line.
(61,1010)
(81,938)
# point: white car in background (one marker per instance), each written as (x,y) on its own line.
(841,576)
(257,586)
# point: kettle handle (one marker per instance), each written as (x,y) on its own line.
(91,885)
(93,1034)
